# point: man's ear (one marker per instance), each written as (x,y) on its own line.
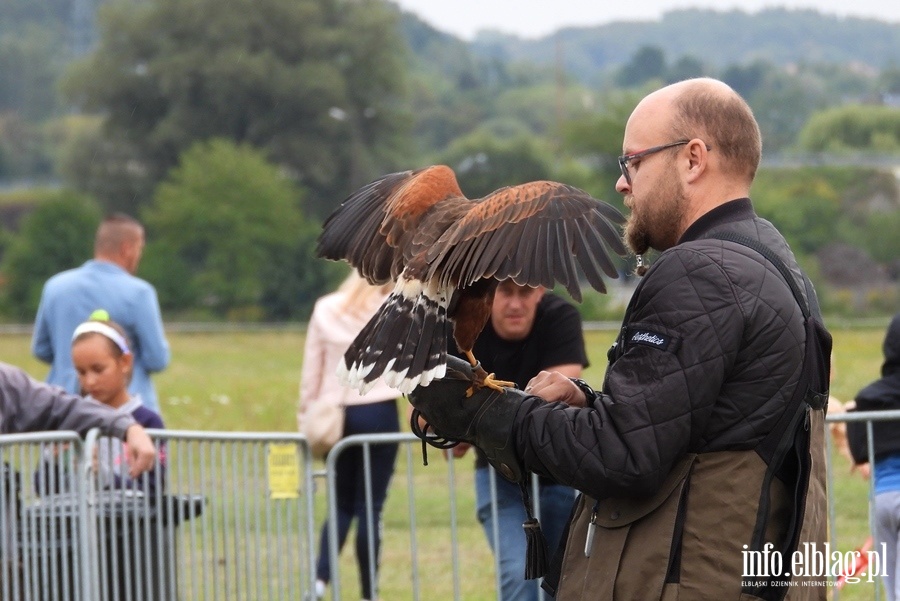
(697,158)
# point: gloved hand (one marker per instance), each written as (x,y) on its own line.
(484,419)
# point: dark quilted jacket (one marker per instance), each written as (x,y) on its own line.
(709,355)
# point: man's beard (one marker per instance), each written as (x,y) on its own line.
(636,237)
(658,223)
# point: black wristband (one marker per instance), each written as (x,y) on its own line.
(589,393)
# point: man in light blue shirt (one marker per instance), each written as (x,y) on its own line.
(105,282)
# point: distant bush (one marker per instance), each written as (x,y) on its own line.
(853,128)
(57,235)
(222,225)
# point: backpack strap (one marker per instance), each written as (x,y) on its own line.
(774,259)
(816,399)
(786,448)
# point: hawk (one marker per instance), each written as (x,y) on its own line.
(447,253)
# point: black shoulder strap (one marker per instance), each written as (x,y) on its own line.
(786,448)
(774,259)
(816,395)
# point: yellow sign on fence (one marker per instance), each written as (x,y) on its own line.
(284,471)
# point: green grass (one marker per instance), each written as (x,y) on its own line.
(249,381)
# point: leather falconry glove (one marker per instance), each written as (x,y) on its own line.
(484,419)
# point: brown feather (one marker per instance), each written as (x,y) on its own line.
(448,253)
(471,314)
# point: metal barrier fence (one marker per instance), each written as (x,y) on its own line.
(39,556)
(228,516)
(246,502)
(417,486)
(238,516)
(869,418)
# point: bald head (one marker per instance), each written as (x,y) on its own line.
(689,147)
(120,240)
(709,109)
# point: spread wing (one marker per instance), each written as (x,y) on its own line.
(417,227)
(376,229)
(537,234)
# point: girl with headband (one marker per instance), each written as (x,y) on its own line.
(104,362)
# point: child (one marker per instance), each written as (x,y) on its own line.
(883,395)
(104,361)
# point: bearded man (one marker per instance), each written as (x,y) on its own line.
(700,460)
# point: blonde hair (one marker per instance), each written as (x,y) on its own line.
(361,297)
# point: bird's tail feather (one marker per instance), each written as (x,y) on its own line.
(405,343)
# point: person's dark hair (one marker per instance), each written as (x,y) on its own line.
(710,109)
(114,230)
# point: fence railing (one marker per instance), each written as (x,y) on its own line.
(235,516)
(223,516)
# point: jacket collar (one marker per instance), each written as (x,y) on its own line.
(730,212)
(101,265)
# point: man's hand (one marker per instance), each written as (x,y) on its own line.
(553,386)
(863,469)
(141,454)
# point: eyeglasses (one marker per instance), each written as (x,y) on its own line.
(625,159)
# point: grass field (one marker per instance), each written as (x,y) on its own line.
(248,381)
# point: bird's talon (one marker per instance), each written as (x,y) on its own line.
(484,379)
(498,385)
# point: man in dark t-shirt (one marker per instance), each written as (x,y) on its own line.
(529,331)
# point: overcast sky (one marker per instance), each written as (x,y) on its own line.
(535,18)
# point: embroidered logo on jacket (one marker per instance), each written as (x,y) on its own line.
(649,338)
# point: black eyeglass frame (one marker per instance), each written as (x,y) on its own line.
(626,158)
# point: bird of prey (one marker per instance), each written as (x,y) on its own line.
(447,253)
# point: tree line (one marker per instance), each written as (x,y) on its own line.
(233,129)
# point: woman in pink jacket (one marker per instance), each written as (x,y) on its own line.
(336,320)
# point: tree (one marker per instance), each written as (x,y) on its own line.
(782,98)
(315,83)
(597,140)
(57,235)
(783,107)
(23,149)
(746,80)
(171,274)
(29,68)
(226,214)
(293,283)
(889,80)
(881,239)
(853,127)
(89,160)
(647,63)
(804,206)
(685,67)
